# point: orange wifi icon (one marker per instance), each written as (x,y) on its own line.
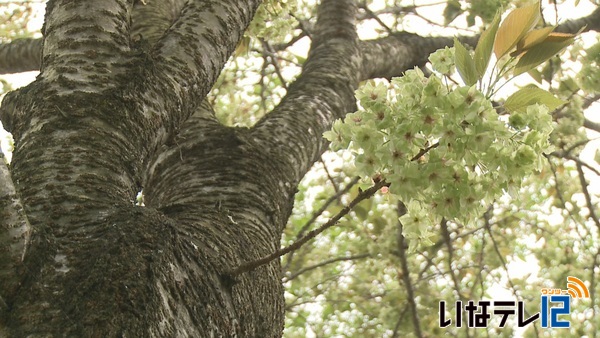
(576,288)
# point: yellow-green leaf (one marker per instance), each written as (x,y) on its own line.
(558,37)
(536,75)
(524,97)
(243,47)
(483,51)
(541,52)
(464,63)
(514,27)
(568,85)
(532,38)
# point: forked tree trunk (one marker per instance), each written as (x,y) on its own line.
(94,127)
(107,116)
(118,107)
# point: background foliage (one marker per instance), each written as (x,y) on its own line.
(355,279)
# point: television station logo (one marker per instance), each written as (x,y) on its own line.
(553,304)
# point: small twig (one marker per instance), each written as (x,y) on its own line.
(398,322)
(304,26)
(398,10)
(268,51)
(559,192)
(480,264)
(325,205)
(424,151)
(261,82)
(488,227)
(586,194)
(279,57)
(318,213)
(329,261)
(329,177)
(375,17)
(450,248)
(582,163)
(286,45)
(249,266)
(322,284)
(576,144)
(402,248)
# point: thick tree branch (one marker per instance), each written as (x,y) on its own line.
(20,55)
(85,44)
(211,179)
(152,19)
(192,53)
(588,23)
(595,126)
(152,115)
(323,92)
(148,23)
(393,55)
(85,53)
(185,62)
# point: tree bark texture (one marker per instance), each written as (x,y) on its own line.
(119,105)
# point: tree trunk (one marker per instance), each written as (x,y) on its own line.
(86,132)
(108,115)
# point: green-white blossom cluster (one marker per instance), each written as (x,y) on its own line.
(444,149)
(271,21)
(442,61)
(589,75)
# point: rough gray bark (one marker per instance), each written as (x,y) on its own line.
(84,131)
(15,233)
(119,106)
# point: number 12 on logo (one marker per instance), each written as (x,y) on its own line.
(555,311)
